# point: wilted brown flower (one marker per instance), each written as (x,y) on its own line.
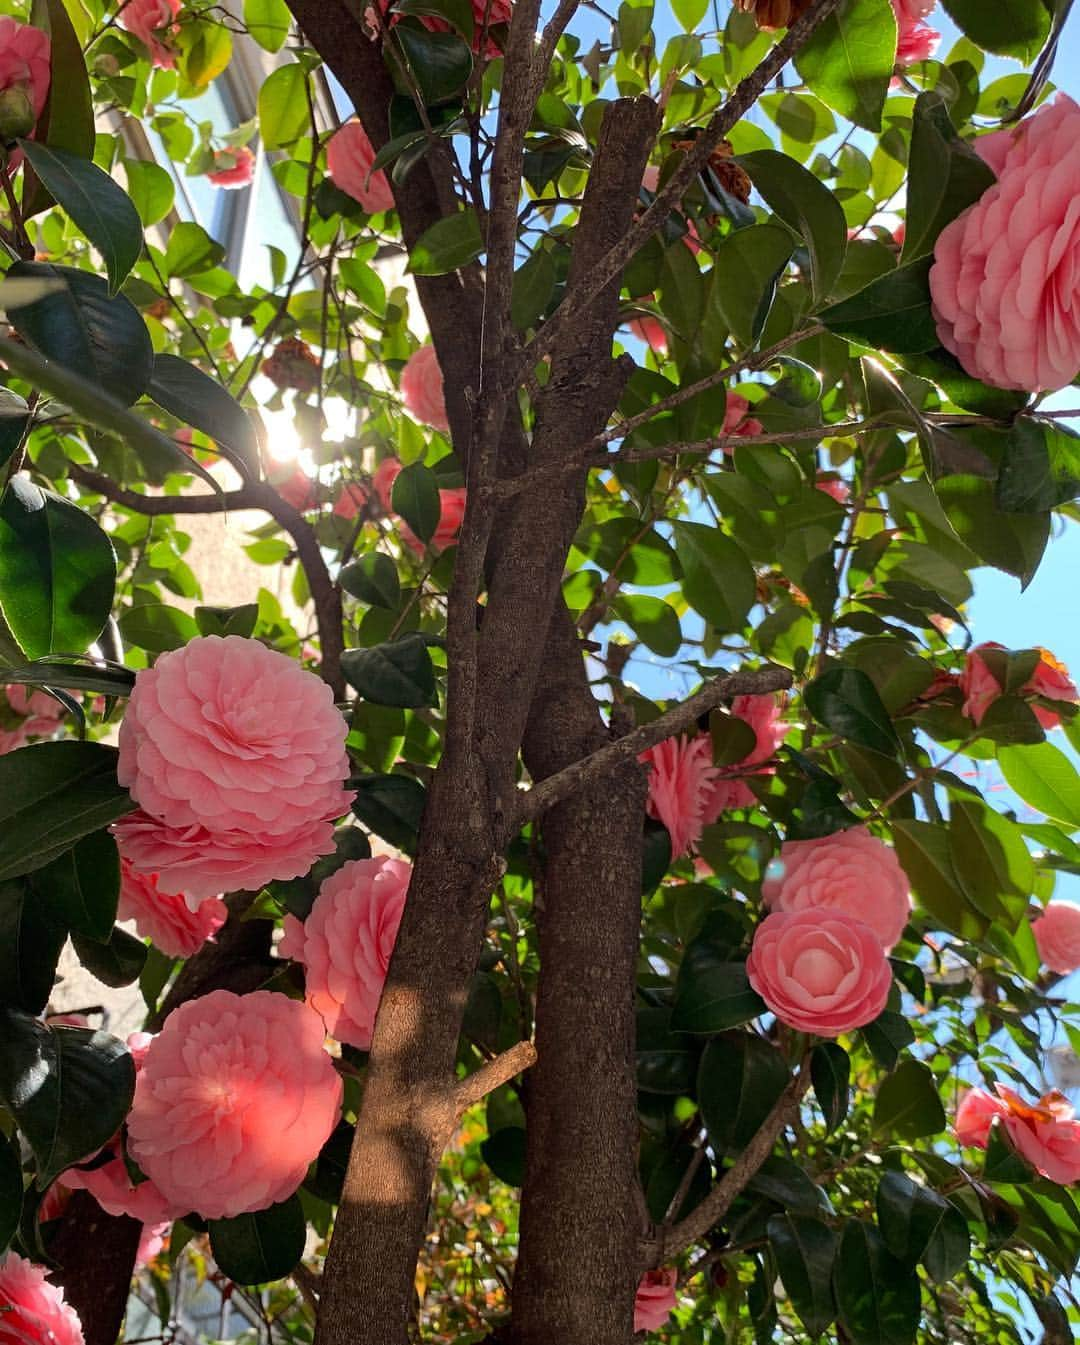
(292,365)
(773,13)
(730,175)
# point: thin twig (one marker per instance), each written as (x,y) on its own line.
(493,1074)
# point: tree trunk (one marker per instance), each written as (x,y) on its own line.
(95,1256)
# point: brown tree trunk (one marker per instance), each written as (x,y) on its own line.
(95,1253)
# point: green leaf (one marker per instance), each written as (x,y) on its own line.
(740,1080)
(910,1216)
(11,1192)
(712,993)
(151,190)
(441,63)
(990,859)
(283,106)
(1012,542)
(534,284)
(1007,27)
(51,795)
(747,267)
(415,496)
(223,621)
(81,888)
(926,857)
(57,571)
(690,12)
(1040,468)
(504,1153)
(887,1036)
(30,944)
(100,208)
(458,13)
(945,175)
(654,621)
(787,1183)
(877,1296)
(67,119)
(191,251)
(398,673)
(373,578)
(891,313)
(260,1247)
(450,243)
(666,1061)
(268,22)
(949,1247)
(1003,1163)
(830,1073)
(117,961)
(68,1088)
(849,60)
(805,1250)
(846,701)
(74,676)
(908,1104)
(718,580)
(157,627)
(805,204)
(1044,777)
(71,318)
(199,400)
(391,806)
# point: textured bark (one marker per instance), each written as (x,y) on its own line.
(95,1254)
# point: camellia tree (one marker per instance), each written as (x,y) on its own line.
(581,909)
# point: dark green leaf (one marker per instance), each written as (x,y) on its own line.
(805,204)
(908,1104)
(415,496)
(1007,27)
(391,806)
(458,13)
(1003,1163)
(784,1181)
(945,175)
(51,795)
(654,621)
(747,267)
(846,701)
(373,578)
(1040,468)
(990,859)
(196,399)
(713,992)
(100,208)
(398,673)
(805,1251)
(227,620)
(910,1216)
(117,962)
(891,313)
(849,60)
(260,1247)
(1012,542)
(450,243)
(718,580)
(30,944)
(57,571)
(926,857)
(830,1073)
(68,1088)
(667,1061)
(887,1036)
(441,63)
(81,889)
(877,1296)
(504,1153)
(740,1080)
(70,317)
(67,119)
(534,284)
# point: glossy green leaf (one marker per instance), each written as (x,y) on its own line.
(67,120)
(1007,27)
(260,1247)
(268,22)
(712,993)
(846,701)
(191,251)
(57,571)
(830,1073)
(747,267)
(157,627)
(805,204)
(784,1181)
(877,1296)
(195,398)
(116,961)
(718,580)
(398,673)
(654,621)
(666,1061)
(224,621)
(849,60)
(892,313)
(391,806)
(887,1036)
(70,317)
(81,888)
(907,1104)
(1045,778)
(990,859)
(30,944)
(805,1250)
(151,190)
(945,175)
(1012,542)
(925,854)
(534,285)
(68,1088)
(1003,1163)
(910,1216)
(283,106)
(740,1080)
(450,243)
(1040,468)
(51,795)
(100,208)
(441,63)
(458,13)
(373,579)
(415,496)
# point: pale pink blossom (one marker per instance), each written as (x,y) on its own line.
(346,941)
(1057,934)
(650,330)
(298,489)
(352,498)
(25,54)
(737,423)
(915,40)
(349,156)
(655,1299)
(33,1311)
(729,789)
(451,513)
(1003,282)
(236,757)
(834,487)
(165,918)
(151,21)
(235,1099)
(974,1117)
(1044,1132)
(819,970)
(981,688)
(681,781)
(382,483)
(43,712)
(850,872)
(422,389)
(233,167)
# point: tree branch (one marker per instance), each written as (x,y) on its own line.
(568,781)
(493,1074)
(669,1241)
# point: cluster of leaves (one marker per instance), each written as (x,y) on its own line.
(687,561)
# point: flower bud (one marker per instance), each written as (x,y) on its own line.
(16,114)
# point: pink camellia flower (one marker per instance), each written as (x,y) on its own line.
(382,483)
(148,20)
(974,1117)
(346,941)
(236,757)
(737,424)
(235,1099)
(451,501)
(650,330)
(298,490)
(33,1311)
(981,688)
(915,40)
(833,486)
(819,970)
(681,781)
(25,56)
(1045,1132)
(1003,282)
(233,167)
(349,156)
(655,1300)
(849,872)
(43,713)
(1057,933)
(728,790)
(351,500)
(422,389)
(165,918)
